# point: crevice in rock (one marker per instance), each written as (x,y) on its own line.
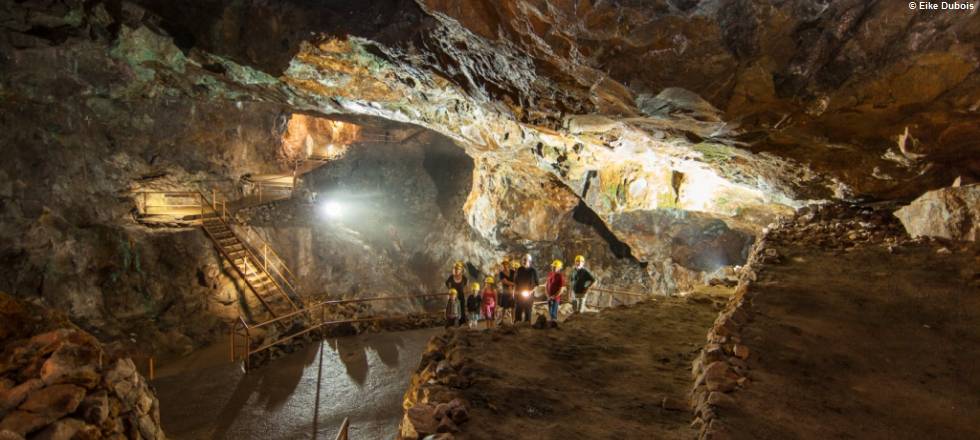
(584,215)
(451,171)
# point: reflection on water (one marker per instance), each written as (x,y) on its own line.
(305,394)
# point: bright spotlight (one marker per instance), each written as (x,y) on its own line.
(332,209)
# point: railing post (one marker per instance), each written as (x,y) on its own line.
(214,199)
(248,348)
(265,256)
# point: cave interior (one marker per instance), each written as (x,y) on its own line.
(779,202)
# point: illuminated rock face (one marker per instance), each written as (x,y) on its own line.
(952,213)
(309,136)
(655,120)
(830,84)
(509,203)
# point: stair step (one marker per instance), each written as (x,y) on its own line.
(263,283)
(258,277)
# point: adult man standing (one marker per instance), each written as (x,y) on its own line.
(582,280)
(554,287)
(525,280)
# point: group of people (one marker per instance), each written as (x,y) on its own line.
(509,296)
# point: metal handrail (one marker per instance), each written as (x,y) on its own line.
(344,428)
(288,276)
(142,196)
(322,305)
(617,291)
(238,270)
(255,258)
(241,328)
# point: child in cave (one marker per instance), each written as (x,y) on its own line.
(488,305)
(473,305)
(454,311)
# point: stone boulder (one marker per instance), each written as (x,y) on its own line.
(60,384)
(952,213)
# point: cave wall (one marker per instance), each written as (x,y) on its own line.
(84,125)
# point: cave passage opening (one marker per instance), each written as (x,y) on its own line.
(378,211)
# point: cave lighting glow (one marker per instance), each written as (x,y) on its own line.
(332,209)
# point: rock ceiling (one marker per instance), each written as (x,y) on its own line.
(651,113)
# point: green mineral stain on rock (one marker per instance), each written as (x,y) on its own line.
(715,152)
(142,47)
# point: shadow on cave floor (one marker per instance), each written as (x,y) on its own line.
(362,377)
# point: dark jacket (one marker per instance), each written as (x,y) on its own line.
(581,279)
(526,278)
(460,287)
(473,302)
(506,295)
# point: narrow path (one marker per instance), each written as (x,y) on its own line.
(363,377)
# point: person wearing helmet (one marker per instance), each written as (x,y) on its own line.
(554,287)
(473,305)
(525,280)
(505,292)
(453,309)
(488,303)
(457,282)
(581,281)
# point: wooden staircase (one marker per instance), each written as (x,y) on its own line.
(252,269)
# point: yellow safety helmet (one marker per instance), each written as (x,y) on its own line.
(506,258)
(458,264)
(515,265)
(488,280)
(557,264)
(475,286)
(579,258)
(453,292)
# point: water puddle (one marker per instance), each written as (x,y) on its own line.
(304,395)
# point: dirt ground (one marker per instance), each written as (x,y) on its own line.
(597,376)
(864,345)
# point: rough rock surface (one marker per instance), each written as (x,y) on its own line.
(749,111)
(88,123)
(57,382)
(952,213)
(791,342)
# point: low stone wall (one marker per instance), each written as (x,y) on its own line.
(59,383)
(434,407)
(721,368)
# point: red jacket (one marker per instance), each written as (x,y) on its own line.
(554,284)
